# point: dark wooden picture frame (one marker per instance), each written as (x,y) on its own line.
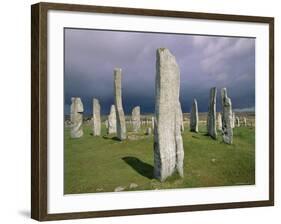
(39,148)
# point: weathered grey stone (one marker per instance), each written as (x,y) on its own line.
(181,119)
(96,119)
(148,131)
(106,124)
(194,120)
(152,122)
(211,119)
(237,122)
(120,116)
(133,185)
(76,117)
(112,120)
(119,188)
(219,122)
(233,120)
(227,133)
(168,146)
(136,119)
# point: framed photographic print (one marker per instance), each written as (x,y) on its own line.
(139,111)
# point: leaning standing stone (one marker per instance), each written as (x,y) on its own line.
(96,118)
(76,117)
(227,133)
(120,116)
(211,119)
(168,146)
(219,122)
(136,119)
(194,117)
(112,120)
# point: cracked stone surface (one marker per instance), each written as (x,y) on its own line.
(96,119)
(227,132)
(120,116)
(168,145)
(76,117)
(211,119)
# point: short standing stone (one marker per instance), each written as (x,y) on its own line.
(152,122)
(148,131)
(76,117)
(120,116)
(181,119)
(168,145)
(219,122)
(112,120)
(136,119)
(245,121)
(227,133)
(211,119)
(96,119)
(194,117)
(106,124)
(233,120)
(237,122)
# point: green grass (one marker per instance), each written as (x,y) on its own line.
(100,164)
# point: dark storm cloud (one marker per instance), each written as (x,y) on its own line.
(204,61)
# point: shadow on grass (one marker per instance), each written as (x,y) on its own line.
(111,138)
(141,167)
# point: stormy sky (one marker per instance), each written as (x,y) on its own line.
(205,61)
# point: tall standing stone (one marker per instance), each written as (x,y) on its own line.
(168,145)
(194,117)
(211,119)
(96,119)
(237,122)
(112,120)
(219,122)
(76,117)
(120,116)
(227,132)
(136,119)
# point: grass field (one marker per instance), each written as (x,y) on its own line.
(101,164)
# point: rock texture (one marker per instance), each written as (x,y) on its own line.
(120,116)
(136,122)
(152,122)
(233,120)
(181,119)
(96,119)
(168,145)
(237,122)
(227,133)
(219,122)
(211,119)
(112,126)
(148,131)
(194,117)
(76,117)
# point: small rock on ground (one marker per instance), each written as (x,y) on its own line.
(133,185)
(119,188)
